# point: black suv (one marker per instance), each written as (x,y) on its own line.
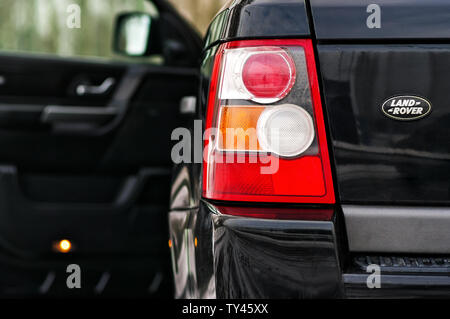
(326,162)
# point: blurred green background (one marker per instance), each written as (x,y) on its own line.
(199,12)
(40,26)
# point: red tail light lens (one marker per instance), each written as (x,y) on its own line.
(269,74)
(266,137)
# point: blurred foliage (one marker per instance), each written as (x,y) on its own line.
(199,12)
(41,26)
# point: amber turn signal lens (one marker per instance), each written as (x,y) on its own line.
(238,128)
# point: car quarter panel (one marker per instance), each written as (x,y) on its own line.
(242,19)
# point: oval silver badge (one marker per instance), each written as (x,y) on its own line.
(406,108)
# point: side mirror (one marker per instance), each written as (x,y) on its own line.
(164,35)
(133,34)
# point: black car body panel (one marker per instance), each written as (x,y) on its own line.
(379,159)
(273,258)
(259,19)
(238,257)
(399,20)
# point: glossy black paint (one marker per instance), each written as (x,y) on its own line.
(379,159)
(257,258)
(192,268)
(400,19)
(239,257)
(252,258)
(243,19)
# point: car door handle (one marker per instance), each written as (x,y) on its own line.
(77,114)
(83,89)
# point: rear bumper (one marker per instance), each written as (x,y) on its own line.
(261,258)
(267,258)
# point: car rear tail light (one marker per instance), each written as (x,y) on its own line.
(264,108)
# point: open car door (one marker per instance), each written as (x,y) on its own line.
(85,144)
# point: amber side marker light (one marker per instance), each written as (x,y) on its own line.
(63,246)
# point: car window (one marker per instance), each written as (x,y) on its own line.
(66,28)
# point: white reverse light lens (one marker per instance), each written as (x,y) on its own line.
(286,130)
